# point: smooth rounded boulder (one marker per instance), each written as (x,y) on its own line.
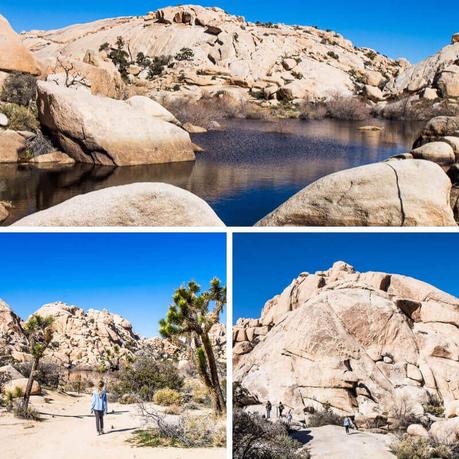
(393,193)
(11,145)
(21,384)
(138,204)
(436,128)
(100,130)
(438,152)
(14,56)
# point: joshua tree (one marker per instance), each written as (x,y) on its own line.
(39,334)
(191,315)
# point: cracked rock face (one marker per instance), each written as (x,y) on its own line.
(367,343)
(100,130)
(229,52)
(392,193)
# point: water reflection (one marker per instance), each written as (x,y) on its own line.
(245,172)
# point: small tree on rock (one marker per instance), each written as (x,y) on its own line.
(191,315)
(39,334)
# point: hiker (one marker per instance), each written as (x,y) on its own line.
(269,407)
(99,406)
(281,409)
(289,417)
(347,423)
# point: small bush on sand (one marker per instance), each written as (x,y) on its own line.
(47,375)
(167,397)
(20,118)
(409,447)
(197,392)
(26,413)
(146,376)
(19,89)
(325,417)
(256,438)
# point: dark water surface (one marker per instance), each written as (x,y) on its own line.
(247,170)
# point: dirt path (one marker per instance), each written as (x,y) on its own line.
(331,442)
(68,431)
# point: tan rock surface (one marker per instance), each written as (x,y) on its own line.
(394,193)
(349,339)
(14,56)
(138,204)
(11,144)
(100,130)
(21,384)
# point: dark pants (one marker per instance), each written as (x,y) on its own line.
(347,429)
(99,420)
(268,414)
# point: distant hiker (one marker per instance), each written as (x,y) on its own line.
(99,406)
(281,409)
(289,417)
(347,423)
(269,407)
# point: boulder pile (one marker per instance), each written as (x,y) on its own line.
(372,344)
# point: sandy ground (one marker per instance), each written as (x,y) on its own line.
(331,442)
(68,431)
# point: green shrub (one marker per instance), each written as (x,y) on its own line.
(257,438)
(146,376)
(28,413)
(21,118)
(167,397)
(409,447)
(434,406)
(185,54)
(19,89)
(333,55)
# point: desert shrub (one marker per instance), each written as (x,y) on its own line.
(21,118)
(118,55)
(47,375)
(19,89)
(146,376)
(434,406)
(197,392)
(333,55)
(174,410)
(325,417)
(256,438)
(78,385)
(185,54)
(312,111)
(188,432)
(167,397)
(157,66)
(27,413)
(347,108)
(409,447)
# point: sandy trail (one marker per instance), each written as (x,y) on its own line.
(68,431)
(331,442)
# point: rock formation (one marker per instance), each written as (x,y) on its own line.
(88,340)
(438,74)
(370,344)
(139,204)
(106,131)
(14,56)
(393,193)
(230,54)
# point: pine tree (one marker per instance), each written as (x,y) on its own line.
(191,316)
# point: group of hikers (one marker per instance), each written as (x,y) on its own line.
(347,421)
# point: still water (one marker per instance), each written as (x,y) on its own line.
(248,169)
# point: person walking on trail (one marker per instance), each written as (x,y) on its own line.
(348,424)
(99,406)
(289,417)
(281,409)
(269,407)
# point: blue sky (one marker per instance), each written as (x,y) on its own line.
(133,274)
(411,29)
(264,264)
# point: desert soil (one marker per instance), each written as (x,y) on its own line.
(331,442)
(68,430)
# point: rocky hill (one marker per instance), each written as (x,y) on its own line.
(372,344)
(228,54)
(87,340)
(435,77)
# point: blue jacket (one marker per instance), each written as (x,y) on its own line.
(99,402)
